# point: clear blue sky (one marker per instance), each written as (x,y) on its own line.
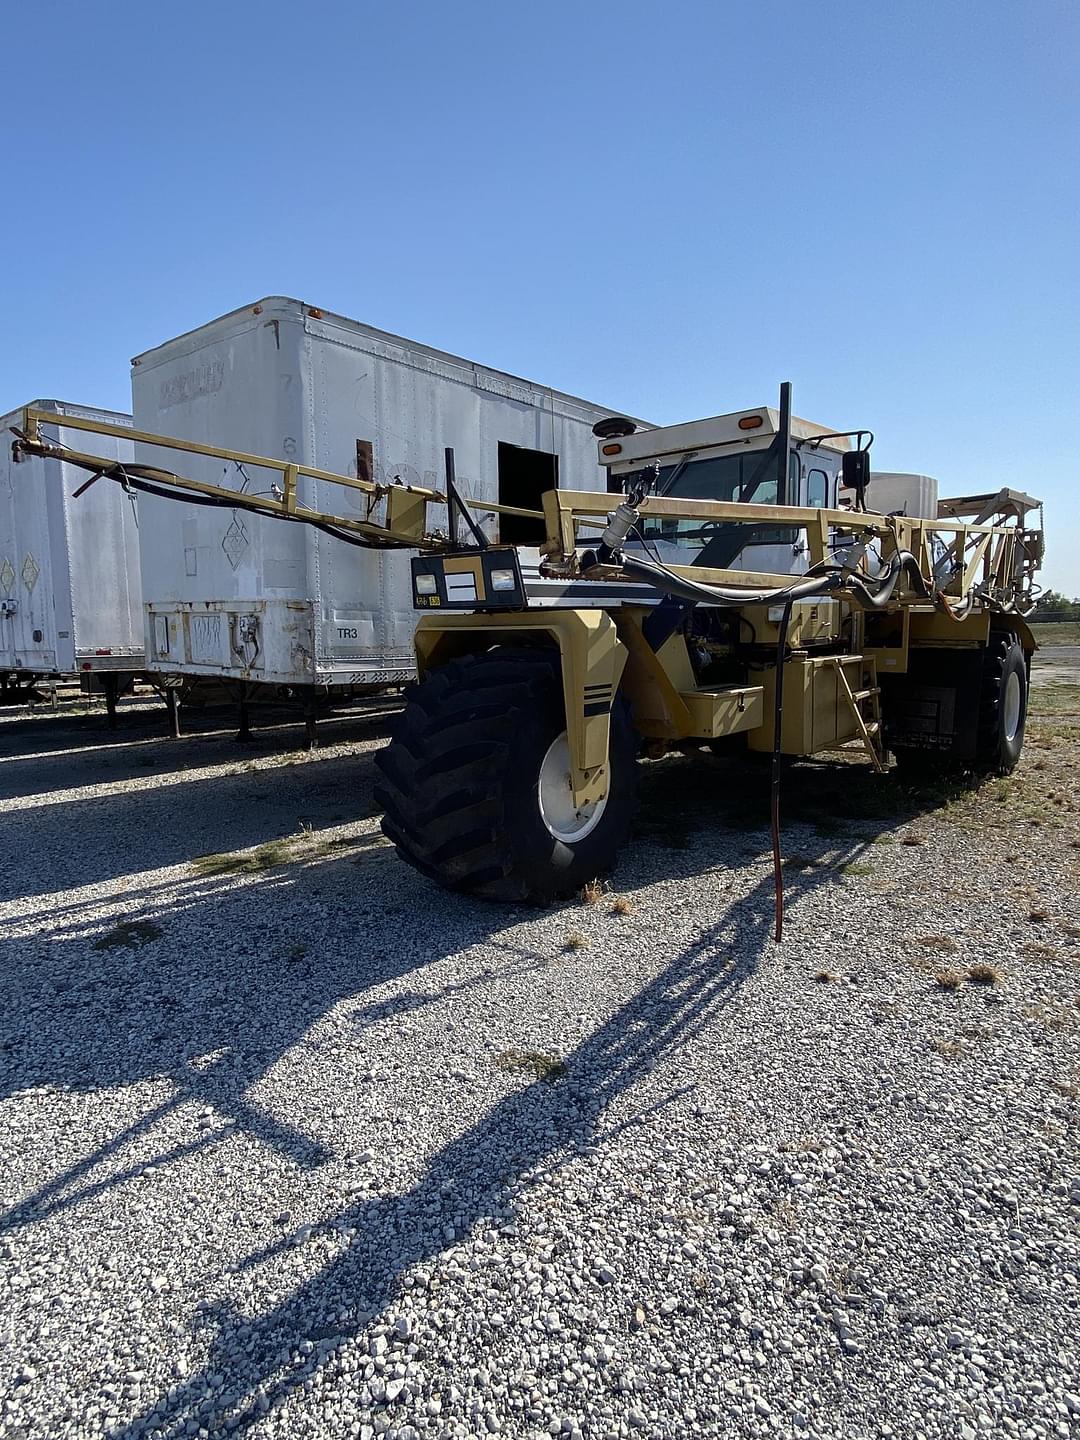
(667,208)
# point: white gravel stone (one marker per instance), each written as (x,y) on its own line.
(268,1174)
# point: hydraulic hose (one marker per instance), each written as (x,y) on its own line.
(872,594)
(956,612)
(875,599)
(696,591)
(219,502)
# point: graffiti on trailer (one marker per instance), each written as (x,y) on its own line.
(205,638)
(202,380)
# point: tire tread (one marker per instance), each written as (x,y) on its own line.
(442,780)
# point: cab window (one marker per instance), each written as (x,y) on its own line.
(817,490)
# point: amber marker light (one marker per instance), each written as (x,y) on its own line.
(751,422)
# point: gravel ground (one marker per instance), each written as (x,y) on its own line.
(292,1144)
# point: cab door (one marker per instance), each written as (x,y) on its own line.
(778,549)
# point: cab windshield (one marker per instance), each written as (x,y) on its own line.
(747,478)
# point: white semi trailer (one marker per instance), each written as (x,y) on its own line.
(235,597)
(70,600)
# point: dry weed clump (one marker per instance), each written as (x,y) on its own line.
(951,1049)
(983,974)
(949,979)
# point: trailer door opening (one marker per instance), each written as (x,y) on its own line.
(524,477)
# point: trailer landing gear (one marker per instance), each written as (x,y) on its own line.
(110,684)
(243,733)
(172,704)
(311,721)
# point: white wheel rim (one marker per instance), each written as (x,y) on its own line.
(564,820)
(1012,705)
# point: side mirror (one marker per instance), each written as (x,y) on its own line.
(855,471)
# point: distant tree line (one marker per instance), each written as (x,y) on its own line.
(1054,606)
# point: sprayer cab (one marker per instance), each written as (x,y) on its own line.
(764,456)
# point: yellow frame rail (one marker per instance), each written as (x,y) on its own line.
(993,565)
(998,558)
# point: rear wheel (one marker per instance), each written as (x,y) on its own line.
(475,783)
(999,723)
(1002,705)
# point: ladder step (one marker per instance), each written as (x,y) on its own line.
(872,729)
(866,694)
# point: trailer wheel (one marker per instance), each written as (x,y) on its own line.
(1002,704)
(475,781)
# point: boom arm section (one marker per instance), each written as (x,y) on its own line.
(393,516)
(951,562)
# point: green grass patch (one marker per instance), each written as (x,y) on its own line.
(244,862)
(548,1068)
(345,842)
(1056,632)
(1054,700)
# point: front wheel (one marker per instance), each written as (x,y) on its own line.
(475,783)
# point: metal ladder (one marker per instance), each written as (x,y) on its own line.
(868,726)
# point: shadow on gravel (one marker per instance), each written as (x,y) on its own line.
(91,839)
(474,1179)
(828,808)
(55,753)
(214,1018)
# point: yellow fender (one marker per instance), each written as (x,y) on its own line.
(592,658)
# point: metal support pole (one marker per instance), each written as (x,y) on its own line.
(777,767)
(311,721)
(451,496)
(456,506)
(243,733)
(172,703)
(783,445)
(111,685)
